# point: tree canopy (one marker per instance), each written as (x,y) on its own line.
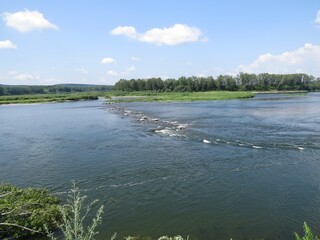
(242,82)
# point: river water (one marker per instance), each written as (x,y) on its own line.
(240,169)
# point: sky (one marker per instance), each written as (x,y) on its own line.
(100,42)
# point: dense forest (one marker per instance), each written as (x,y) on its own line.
(243,82)
(7,90)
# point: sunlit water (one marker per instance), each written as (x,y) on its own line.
(244,169)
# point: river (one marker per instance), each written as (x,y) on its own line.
(240,169)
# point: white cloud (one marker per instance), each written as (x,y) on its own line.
(136,59)
(174,35)
(26,77)
(128,31)
(81,70)
(317,21)
(112,73)
(305,59)
(14,77)
(26,21)
(107,60)
(7,44)
(23,77)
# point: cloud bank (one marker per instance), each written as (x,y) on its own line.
(7,44)
(26,21)
(174,35)
(302,60)
(23,77)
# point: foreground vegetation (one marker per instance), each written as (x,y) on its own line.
(73,217)
(151,96)
(35,213)
(308,235)
(40,98)
(25,212)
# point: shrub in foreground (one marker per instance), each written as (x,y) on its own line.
(23,212)
(74,214)
(307,234)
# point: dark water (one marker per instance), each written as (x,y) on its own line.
(257,175)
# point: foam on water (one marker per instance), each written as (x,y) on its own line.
(257,147)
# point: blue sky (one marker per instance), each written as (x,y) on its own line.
(100,42)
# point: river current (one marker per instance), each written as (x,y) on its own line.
(240,169)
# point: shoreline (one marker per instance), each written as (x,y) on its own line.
(48,98)
(116,97)
(281,92)
(142,96)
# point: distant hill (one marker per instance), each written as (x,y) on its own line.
(52,89)
(59,85)
(80,85)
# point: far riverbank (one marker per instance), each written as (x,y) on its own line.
(138,96)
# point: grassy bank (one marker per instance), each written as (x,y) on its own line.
(137,96)
(41,98)
(145,96)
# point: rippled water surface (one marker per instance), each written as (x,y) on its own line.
(244,169)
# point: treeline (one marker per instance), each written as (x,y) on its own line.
(241,82)
(7,90)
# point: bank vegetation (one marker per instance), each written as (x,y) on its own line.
(240,82)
